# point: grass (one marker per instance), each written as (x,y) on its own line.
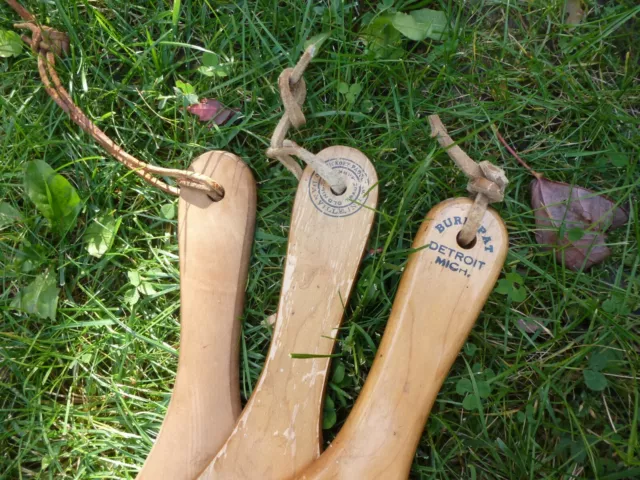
(83,396)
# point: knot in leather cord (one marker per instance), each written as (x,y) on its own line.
(293,91)
(492,184)
(293,96)
(487,182)
(45,38)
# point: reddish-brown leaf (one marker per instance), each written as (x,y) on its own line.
(560,207)
(210,109)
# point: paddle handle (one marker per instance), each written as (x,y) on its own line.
(215,241)
(442,292)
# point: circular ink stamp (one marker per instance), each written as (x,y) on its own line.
(354,197)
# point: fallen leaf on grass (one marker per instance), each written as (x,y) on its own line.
(532,326)
(210,109)
(571,219)
(575,219)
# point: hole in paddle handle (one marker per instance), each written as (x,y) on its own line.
(338,193)
(469,245)
(215,198)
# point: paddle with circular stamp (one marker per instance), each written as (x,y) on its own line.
(279,431)
(457,256)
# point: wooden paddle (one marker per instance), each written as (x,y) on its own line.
(279,430)
(441,293)
(215,245)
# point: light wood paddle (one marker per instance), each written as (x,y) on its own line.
(279,431)
(442,292)
(215,245)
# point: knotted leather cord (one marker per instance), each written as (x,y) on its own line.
(46,43)
(293,91)
(487,182)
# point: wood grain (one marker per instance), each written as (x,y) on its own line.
(279,430)
(215,245)
(442,292)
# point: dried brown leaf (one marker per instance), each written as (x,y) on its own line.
(574,11)
(210,109)
(561,208)
(532,326)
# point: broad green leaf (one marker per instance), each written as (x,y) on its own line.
(338,374)
(518,294)
(185,88)
(407,26)
(146,288)
(471,402)
(600,359)
(343,88)
(511,286)
(595,381)
(329,404)
(470,349)
(100,235)
(131,296)
(504,287)
(52,194)
(190,99)
(329,419)
(616,304)
(367,106)
(134,278)
(381,38)
(186,93)
(597,361)
(484,389)
(210,59)
(575,234)
(421,24)
(40,297)
(8,214)
(10,44)
(619,159)
(168,211)
(355,89)
(464,386)
(317,40)
(515,278)
(211,66)
(437,21)
(488,374)
(208,71)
